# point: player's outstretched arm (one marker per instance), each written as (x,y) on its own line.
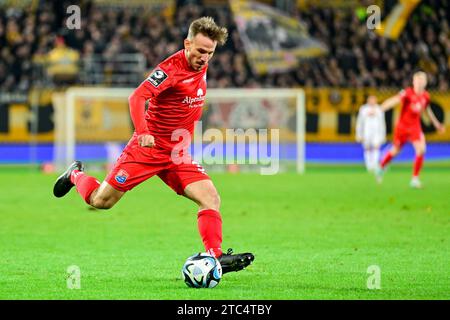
(439,126)
(389,103)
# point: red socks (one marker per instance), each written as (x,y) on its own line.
(210,228)
(386,159)
(84,183)
(418,165)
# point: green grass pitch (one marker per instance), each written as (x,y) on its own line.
(314,237)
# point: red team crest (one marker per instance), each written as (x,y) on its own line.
(121,176)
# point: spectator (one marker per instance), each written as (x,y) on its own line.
(62,63)
(357,56)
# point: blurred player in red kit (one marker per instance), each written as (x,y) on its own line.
(413,100)
(176,91)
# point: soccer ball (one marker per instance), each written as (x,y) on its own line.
(202,271)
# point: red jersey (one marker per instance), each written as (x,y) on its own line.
(412,106)
(177,94)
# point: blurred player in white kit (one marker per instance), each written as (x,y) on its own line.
(371,131)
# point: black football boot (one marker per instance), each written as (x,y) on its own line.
(63,184)
(235,262)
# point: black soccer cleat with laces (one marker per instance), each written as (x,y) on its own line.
(63,184)
(235,262)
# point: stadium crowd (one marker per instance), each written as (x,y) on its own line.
(357,56)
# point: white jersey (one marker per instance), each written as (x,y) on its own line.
(370,125)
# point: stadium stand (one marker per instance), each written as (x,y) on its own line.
(115,39)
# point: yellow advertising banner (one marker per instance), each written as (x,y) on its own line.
(331,113)
(27,117)
(105,119)
(330,117)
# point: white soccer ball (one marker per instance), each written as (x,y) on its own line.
(202,270)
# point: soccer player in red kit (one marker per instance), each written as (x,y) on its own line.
(176,91)
(414,100)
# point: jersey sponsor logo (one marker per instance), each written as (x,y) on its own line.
(417,107)
(157,77)
(194,101)
(121,176)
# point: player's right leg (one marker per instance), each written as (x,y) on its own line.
(400,138)
(391,154)
(63,184)
(134,166)
(100,196)
(105,196)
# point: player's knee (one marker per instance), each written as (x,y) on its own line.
(211,200)
(103,203)
(216,200)
(421,151)
(394,151)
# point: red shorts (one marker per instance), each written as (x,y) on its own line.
(137,164)
(403,135)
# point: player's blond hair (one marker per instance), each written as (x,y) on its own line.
(207,27)
(420,73)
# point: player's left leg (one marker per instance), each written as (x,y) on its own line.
(419,148)
(204,193)
(191,181)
